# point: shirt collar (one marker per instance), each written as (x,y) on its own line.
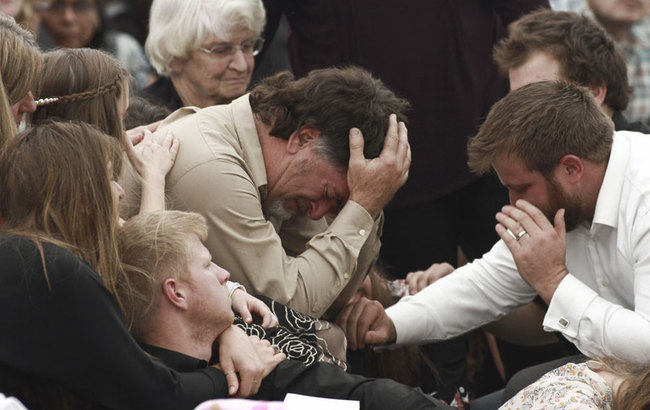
(249,141)
(175,360)
(609,196)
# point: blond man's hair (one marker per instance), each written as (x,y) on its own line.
(154,247)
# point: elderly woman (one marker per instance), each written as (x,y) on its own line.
(203,50)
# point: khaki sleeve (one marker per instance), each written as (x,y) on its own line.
(242,241)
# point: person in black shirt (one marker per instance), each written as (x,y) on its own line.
(177,304)
(61,324)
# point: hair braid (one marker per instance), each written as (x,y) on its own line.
(84,95)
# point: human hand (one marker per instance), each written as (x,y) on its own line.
(150,159)
(135,135)
(270,355)
(365,322)
(540,252)
(420,279)
(373,182)
(240,362)
(245,305)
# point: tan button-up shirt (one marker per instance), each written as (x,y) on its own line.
(219,172)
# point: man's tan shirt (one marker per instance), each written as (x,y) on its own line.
(220,173)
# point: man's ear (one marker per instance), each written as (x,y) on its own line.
(175,292)
(570,169)
(599,91)
(301,138)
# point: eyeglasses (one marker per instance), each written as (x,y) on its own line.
(78,7)
(226,51)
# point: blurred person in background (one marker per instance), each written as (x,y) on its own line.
(628,23)
(81,23)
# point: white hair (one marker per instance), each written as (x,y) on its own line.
(178,27)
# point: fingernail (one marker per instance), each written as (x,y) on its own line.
(231,390)
(354,132)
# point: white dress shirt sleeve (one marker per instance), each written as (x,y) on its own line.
(473,295)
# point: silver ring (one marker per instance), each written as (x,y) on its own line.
(512,234)
(276,349)
(520,234)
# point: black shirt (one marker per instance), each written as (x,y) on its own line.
(321,380)
(622,124)
(68,330)
(162,92)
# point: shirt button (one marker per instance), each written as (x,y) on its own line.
(362,232)
(604,283)
(346,275)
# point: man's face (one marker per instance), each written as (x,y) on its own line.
(309,184)
(540,66)
(623,12)
(208,299)
(547,194)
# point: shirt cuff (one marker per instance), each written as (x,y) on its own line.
(354,224)
(233,286)
(567,307)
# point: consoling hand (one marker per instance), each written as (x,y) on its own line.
(246,305)
(365,322)
(269,355)
(135,135)
(150,159)
(420,279)
(538,247)
(373,182)
(240,362)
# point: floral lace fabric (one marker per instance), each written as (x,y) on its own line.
(299,336)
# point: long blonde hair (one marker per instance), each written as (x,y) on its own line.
(55,187)
(20,64)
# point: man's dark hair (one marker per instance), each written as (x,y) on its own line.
(332,100)
(587,55)
(142,112)
(540,123)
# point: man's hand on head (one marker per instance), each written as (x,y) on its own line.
(373,182)
(365,322)
(538,247)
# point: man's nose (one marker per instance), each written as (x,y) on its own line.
(318,209)
(222,274)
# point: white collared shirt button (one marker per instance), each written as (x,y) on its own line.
(346,276)
(362,232)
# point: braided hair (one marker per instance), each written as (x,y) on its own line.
(83,84)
